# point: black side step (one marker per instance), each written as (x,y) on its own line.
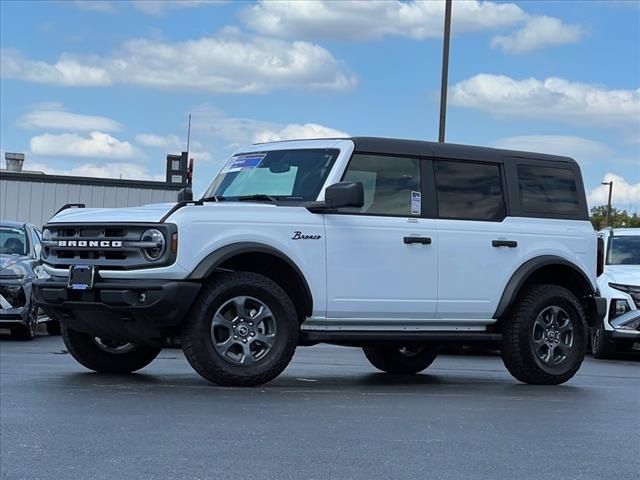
(312,337)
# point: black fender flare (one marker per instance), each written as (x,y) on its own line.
(213,261)
(522,274)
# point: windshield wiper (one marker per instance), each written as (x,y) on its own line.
(258,197)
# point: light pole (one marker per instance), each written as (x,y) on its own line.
(609,202)
(445,69)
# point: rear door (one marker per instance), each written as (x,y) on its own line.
(381,259)
(478,248)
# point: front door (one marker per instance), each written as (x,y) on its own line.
(382,258)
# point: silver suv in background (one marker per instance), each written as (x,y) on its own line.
(19,253)
(620,285)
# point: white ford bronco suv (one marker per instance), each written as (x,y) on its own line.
(395,246)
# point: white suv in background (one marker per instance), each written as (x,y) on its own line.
(620,285)
(394,246)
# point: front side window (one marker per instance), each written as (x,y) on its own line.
(391,185)
(285,174)
(624,250)
(548,190)
(469,191)
(13,241)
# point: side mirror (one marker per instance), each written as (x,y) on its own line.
(344,194)
(186,194)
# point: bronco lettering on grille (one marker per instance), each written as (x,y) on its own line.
(90,243)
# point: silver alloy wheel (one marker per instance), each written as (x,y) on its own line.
(553,336)
(243,330)
(114,347)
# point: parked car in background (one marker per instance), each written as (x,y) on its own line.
(20,248)
(620,285)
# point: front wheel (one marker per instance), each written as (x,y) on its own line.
(242,330)
(545,339)
(401,359)
(105,356)
(29,329)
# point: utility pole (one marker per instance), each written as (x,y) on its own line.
(445,69)
(609,202)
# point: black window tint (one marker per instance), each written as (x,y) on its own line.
(548,190)
(471,191)
(389,184)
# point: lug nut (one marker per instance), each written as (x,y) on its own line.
(244,340)
(235,337)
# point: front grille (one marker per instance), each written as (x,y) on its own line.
(114,247)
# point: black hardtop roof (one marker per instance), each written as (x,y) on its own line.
(394,146)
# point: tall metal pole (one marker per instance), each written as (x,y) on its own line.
(445,69)
(188,135)
(609,202)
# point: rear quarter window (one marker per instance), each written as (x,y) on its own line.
(548,190)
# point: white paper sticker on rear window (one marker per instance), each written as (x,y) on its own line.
(416,203)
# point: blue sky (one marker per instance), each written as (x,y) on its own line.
(104,88)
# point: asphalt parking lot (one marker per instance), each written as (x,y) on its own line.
(329,416)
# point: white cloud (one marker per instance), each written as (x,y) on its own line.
(161,7)
(227,63)
(96,145)
(67,70)
(581,149)
(297,131)
(173,143)
(166,142)
(553,99)
(538,32)
(103,6)
(625,195)
(53,117)
(375,19)
(237,131)
(107,170)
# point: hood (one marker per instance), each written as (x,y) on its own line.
(146,213)
(13,263)
(624,274)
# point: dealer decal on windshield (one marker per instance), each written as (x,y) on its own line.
(243,162)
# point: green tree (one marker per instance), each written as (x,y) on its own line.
(619,218)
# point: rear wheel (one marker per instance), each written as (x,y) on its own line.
(401,359)
(545,339)
(242,330)
(106,356)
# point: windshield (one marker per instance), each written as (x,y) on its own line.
(285,174)
(624,250)
(12,241)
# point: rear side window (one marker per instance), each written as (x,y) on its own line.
(548,190)
(469,191)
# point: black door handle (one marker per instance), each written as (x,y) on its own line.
(422,240)
(504,243)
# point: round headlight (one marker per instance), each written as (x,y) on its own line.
(154,235)
(46,235)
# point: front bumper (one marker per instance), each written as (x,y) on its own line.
(626,328)
(142,311)
(12,314)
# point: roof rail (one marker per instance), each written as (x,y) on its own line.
(69,205)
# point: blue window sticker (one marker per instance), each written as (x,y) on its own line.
(243,162)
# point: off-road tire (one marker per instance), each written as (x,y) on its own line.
(86,351)
(393,360)
(197,342)
(517,336)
